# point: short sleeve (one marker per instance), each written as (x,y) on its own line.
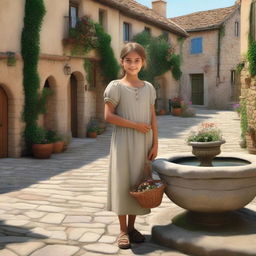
(112,93)
(152,94)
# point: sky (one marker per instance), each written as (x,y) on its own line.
(183,7)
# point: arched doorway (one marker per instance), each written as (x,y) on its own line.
(73,105)
(3,123)
(49,118)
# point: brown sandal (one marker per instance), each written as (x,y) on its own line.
(136,237)
(123,241)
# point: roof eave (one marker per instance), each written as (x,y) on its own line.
(129,13)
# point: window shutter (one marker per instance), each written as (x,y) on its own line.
(196,45)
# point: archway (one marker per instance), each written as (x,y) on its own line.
(49,118)
(3,123)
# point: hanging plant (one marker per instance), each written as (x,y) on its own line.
(82,37)
(108,63)
(88,35)
(30,48)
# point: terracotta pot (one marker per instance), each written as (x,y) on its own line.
(176,111)
(58,146)
(92,134)
(42,151)
(206,151)
(250,145)
(161,112)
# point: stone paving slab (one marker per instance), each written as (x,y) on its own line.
(57,206)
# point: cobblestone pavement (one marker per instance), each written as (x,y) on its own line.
(56,207)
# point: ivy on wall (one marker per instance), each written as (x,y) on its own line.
(160,57)
(89,35)
(30,48)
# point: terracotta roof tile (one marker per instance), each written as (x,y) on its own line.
(204,20)
(140,12)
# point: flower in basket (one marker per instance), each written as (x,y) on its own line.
(146,186)
(206,132)
(176,102)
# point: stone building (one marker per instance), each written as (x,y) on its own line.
(72,104)
(248,80)
(210,56)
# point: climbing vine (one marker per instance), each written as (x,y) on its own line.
(89,35)
(160,57)
(244,121)
(30,48)
(251,56)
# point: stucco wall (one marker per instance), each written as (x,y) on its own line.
(11,20)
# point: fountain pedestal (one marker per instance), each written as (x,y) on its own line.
(212,196)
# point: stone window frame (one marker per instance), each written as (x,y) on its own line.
(103,18)
(237,28)
(127,31)
(193,46)
(76,7)
(253,20)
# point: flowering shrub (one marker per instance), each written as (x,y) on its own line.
(176,102)
(83,36)
(206,132)
(237,107)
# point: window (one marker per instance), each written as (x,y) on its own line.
(166,35)
(73,15)
(127,32)
(237,29)
(196,45)
(233,77)
(103,18)
(253,21)
(147,29)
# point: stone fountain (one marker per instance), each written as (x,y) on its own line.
(215,222)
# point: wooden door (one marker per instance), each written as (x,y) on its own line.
(3,124)
(73,93)
(197,89)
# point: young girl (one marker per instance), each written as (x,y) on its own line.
(129,105)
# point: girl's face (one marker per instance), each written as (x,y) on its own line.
(132,63)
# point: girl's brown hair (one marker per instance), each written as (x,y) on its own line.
(134,47)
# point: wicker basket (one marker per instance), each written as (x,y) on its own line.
(150,198)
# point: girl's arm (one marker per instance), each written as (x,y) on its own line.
(111,117)
(153,152)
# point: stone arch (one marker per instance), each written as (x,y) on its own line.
(76,104)
(50,116)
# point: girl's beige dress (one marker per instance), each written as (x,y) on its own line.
(129,148)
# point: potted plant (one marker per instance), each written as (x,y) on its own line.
(206,142)
(175,104)
(41,147)
(92,132)
(251,140)
(57,140)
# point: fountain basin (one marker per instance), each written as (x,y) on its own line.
(209,189)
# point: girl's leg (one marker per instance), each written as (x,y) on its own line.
(123,224)
(123,240)
(131,221)
(134,235)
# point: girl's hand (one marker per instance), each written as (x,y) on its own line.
(142,127)
(153,153)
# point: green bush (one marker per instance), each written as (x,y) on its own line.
(30,48)
(160,57)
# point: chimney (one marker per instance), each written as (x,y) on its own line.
(159,6)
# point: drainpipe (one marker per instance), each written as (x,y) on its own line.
(218,58)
